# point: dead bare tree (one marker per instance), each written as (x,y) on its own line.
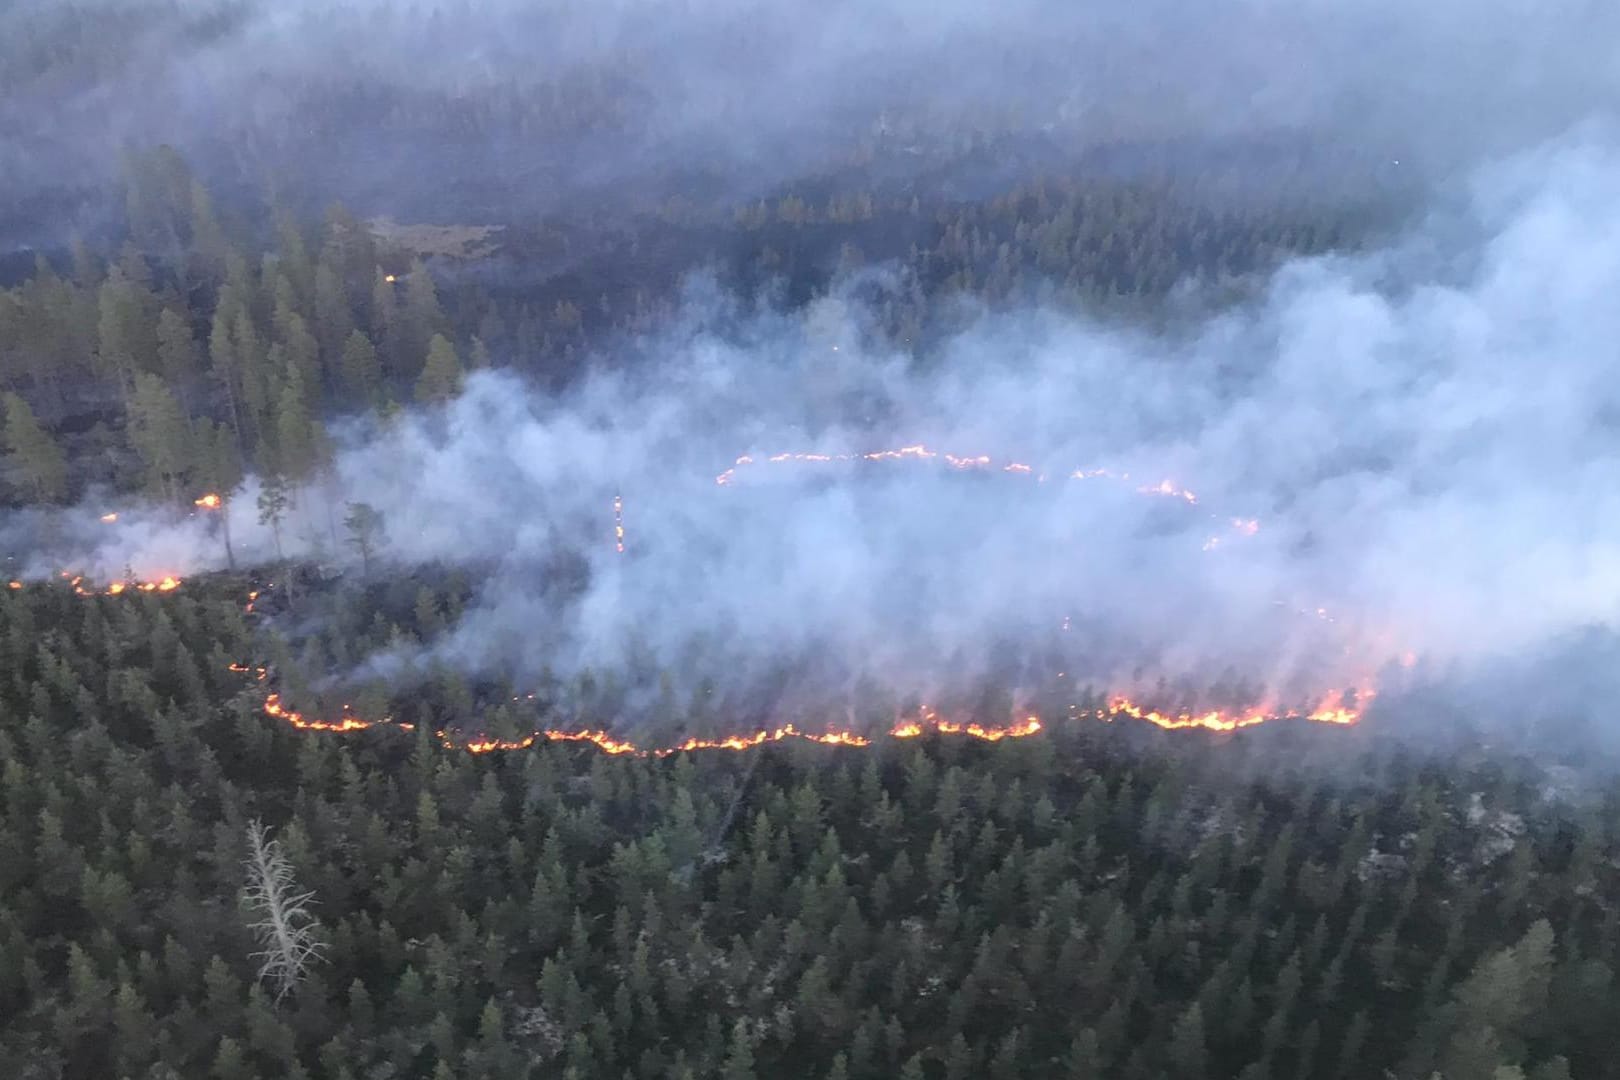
(286,929)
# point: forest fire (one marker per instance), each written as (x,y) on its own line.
(1336,709)
(1166,488)
(77,582)
(116,588)
(1331,711)
(346,722)
(904,453)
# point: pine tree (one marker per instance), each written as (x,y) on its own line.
(230,1061)
(1351,1046)
(441,377)
(126,335)
(362,375)
(136,1028)
(422,315)
(1085,1060)
(252,369)
(302,355)
(209,248)
(177,349)
(364,525)
(223,365)
(740,1056)
(219,471)
(160,434)
(273,506)
(333,320)
(296,444)
(33,453)
(1187,1049)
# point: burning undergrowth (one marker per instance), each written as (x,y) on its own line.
(781,516)
(395,645)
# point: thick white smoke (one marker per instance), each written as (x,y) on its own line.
(1428,437)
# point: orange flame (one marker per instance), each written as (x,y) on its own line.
(273,707)
(1331,711)
(109,518)
(919,452)
(77,583)
(208,502)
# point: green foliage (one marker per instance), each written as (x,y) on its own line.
(931,910)
(32,453)
(161,435)
(1063,906)
(342,319)
(441,376)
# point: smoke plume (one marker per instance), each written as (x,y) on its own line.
(1408,452)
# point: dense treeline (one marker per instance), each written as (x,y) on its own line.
(211,344)
(1081,904)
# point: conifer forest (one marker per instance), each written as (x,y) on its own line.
(886,541)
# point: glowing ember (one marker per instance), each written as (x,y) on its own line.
(208,502)
(109,518)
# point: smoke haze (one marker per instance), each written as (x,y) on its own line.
(1427,437)
(466,111)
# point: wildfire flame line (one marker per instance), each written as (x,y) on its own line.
(77,583)
(919,452)
(1331,711)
